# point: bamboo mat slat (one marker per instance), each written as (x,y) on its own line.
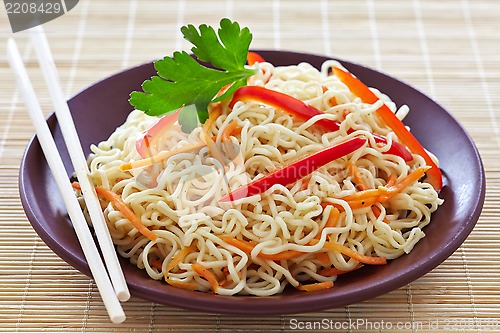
(448,49)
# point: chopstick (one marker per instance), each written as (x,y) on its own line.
(78,160)
(56,165)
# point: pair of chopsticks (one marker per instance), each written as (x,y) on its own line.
(111,281)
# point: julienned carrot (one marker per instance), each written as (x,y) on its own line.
(376,211)
(156,264)
(324,258)
(359,89)
(207,275)
(315,286)
(382,194)
(215,112)
(226,282)
(163,155)
(369,260)
(391,180)
(353,204)
(398,187)
(182,284)
(247,247)
(358,179)
(364,195)
(229,130)
(117,201)
(332,221)
(179,256)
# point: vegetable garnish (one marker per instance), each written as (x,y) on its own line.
(369,260)
(247,247)
(315,286)
(287,103)
(358,88)
(207,275)
(382,194)
(304,112)
(163,155)
(253,58)
(147,141)
(296,170)
(183,81)
(117,201)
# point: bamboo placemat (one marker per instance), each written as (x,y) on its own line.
(448,49)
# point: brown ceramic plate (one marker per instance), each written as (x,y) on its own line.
(99,109)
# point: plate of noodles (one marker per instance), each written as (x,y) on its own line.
(359,224)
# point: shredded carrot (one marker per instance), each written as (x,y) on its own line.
(324,258)
(179,256)
(156,264)
(351,253)
(247,247)
(315,286)
(369,197)
(117,201)
(354,204)
(305,183)
(331,271)
(163,155)
(182,284)
(376,211)
(212,147)
(228,131)
(215,112)
(391,180)
(332,101)
(207,275)
(226,282)
(358,179)
(362,195)
(398,187)
(332,221)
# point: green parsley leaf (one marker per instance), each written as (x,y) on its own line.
(183,81)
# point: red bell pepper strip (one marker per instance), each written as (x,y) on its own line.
(285,102)
(254,57)
(153,132)
(303,111)
(395,149)
(297,170)
(358,88)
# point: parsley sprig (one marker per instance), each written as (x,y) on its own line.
(184,81)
